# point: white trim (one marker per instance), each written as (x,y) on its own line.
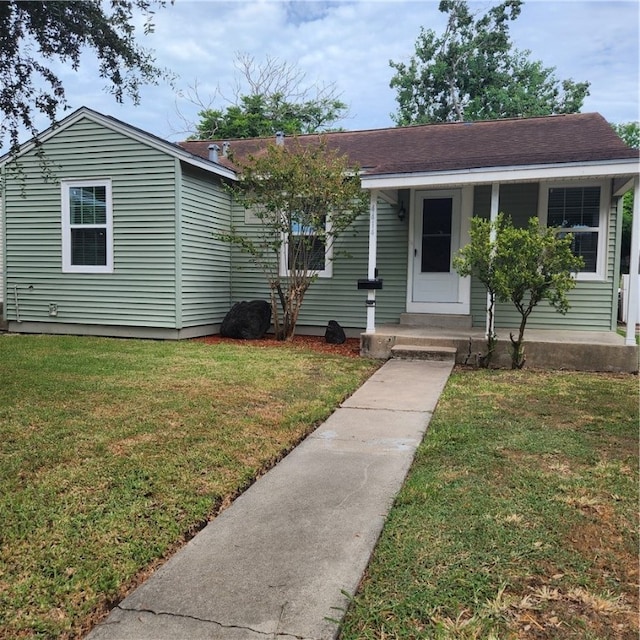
(488,175)
(463,200)
(600,273)
(493,216)
(371,268)
(66,226)
(634,279)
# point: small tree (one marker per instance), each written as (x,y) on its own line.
(533,264)
(477,260)
(305,197)
(523,266)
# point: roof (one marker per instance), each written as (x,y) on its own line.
(571,138)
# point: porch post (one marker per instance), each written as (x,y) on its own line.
(634,281)
(373,240)
(495,203)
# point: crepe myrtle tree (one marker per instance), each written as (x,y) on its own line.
(305,197)
(521,265)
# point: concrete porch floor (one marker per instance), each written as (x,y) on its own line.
(544,349)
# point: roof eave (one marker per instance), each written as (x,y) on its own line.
(517,173)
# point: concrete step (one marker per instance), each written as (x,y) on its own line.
(436,320)
(417,352)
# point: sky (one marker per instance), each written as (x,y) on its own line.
(349,45)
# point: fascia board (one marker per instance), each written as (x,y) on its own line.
(503,174)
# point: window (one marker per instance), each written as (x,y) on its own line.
(581,211)
(87,226)
(307,247)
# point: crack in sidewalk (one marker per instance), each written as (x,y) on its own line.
(271,634)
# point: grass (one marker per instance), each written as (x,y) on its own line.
(519,518)
(114,452)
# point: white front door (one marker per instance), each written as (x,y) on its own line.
(436,238)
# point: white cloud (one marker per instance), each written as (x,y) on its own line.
(350,44)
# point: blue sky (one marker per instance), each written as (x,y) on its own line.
(350,44)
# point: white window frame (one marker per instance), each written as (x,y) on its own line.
(65,187)
(602,229)
(327,272)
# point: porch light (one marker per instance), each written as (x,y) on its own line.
(401,213)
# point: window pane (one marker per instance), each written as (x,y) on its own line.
(88,205)
(574,207)
(88,247)
(436,254)
(586,245)
(306,252)
(436,235)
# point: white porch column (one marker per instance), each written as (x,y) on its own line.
(634,281)
(495,203)
(371,274)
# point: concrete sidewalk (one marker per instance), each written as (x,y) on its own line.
(276,562)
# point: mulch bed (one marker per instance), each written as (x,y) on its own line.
(351,348)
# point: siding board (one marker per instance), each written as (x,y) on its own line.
(141,291)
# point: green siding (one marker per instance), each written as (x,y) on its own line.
(338,298)
(591,302)
(205,266)
(141,291)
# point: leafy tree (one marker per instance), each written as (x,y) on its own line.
(268,97)
(471,72)
(533,264)
(520,265)
(264,115)
(305,197)
(34,36)
(630,134)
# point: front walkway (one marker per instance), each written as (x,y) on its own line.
(278,562)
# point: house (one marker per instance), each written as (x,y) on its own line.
(120,240)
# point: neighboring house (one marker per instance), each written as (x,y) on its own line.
(120,241)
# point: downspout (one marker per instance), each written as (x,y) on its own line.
(371,274)
(634,281)
(495,205)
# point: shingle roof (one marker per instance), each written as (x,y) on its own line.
(582,137)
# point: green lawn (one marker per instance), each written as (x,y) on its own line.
(519,518)
(114,452)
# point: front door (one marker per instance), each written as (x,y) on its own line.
(436,238)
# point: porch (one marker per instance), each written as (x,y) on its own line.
(545,349)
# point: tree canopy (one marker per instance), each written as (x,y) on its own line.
(269,96)
(263,115)
(472,72)
(35,36)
